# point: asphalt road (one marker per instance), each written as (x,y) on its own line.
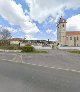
(57,71)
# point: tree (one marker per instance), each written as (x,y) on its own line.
(5,33)
(4,36)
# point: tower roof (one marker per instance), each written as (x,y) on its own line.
(62,20)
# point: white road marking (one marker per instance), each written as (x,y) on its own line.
(52,67)
(30,56)
(10,60)
(21,58)
(45,66)
(60,68)
(14,57)
(23,62)
(7,54)
(78,71)
(39,65)
(16,61)
(66,69)
(28,63)
(74,70)
(4,59)
(33,64)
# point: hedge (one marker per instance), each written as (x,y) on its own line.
(27,49)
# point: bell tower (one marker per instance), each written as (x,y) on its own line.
(61,31)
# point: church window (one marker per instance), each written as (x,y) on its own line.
(63,25)
(70,38)
(67,38)
(77,38)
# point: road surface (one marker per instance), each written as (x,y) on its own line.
(57,71)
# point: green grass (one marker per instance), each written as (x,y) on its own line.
(37,52)
(3,47)
(75,51)
(14,44)
(10,47)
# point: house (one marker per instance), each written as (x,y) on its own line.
(23,42)
(34,42)
(16,40)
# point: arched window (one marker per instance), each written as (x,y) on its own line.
(77,38)
(63,25)
(70,38)
(67,38)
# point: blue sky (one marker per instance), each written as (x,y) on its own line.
(33,19)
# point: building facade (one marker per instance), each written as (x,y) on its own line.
(66,37)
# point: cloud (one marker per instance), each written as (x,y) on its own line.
(73,23)
(30,37)
(8,28)
(55,33)
(49,31)
(41,9)
(15,15)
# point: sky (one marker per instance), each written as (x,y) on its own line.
(37,19)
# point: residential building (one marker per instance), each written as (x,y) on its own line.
(16,40)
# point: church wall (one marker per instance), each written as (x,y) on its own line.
(63,38)
(72,40)
(68,41)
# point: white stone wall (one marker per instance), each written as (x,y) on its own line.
(71,42)
(69,48)
(40,47)
(14,42)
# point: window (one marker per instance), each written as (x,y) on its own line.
(67,38)
(70,38)
(63,25)
(77,38)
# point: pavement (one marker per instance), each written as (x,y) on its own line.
(57,71)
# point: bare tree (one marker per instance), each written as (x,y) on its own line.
(4,36)
(5,33)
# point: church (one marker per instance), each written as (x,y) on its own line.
(66,37)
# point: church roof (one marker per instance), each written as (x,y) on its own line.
(73,33)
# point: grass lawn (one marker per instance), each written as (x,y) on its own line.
(15,47)
(75,51)
(10,47)
(3,47)
(37,52)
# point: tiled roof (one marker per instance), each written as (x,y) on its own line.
(73,33)
(16,39)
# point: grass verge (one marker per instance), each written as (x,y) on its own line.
(37,52)
(75,51)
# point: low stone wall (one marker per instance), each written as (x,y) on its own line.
(69,48)
(40,47)
(2,50)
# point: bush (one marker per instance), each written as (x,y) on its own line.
(10,47)
(13,47)
(27,49)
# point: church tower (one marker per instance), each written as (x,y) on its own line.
(61,31)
